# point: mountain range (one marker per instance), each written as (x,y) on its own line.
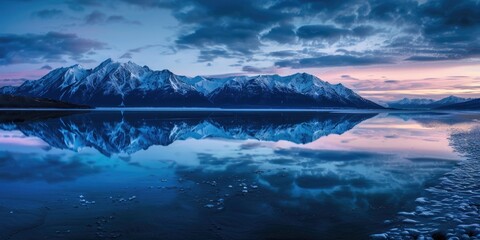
(473,104)
(114,84)
(424,103)
(129,132)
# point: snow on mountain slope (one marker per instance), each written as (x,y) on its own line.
(128,84)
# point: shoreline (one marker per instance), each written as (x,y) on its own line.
(187,109)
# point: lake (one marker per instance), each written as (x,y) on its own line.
(225,174)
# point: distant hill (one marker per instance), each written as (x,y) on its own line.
(468,105)
(114,84)
(423,103)
(11,101)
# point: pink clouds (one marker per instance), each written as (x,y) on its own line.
(430,80)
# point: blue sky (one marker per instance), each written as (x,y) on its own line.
(383,49)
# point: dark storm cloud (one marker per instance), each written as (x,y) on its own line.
(448,21)
(332,34)
(331,61)
(392,11)
(363,31)
(237,38)
(321,32)
(281,34)
(408,30)
(52,46)
(345,20)
(282,54)
(48,13)
(426,58)
(450,28)
(231,25)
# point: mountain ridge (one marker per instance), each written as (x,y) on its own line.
(425,103)
(473,104)
(115,84)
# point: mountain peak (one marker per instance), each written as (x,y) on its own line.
(104,64)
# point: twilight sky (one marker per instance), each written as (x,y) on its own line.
(383,49)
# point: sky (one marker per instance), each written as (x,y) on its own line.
(383,49)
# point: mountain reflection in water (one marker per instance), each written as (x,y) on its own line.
(221,175)
(129,132)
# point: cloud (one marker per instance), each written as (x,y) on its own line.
(49,47)
(121,19)
(331,61)
(391,81)
(46,67)
(97,17)
(209,55)
(331,33)
(327,155)
(426,58)
(48,13)
(231,25)
(348,77)
(328,32)
(283,54)
(130,52)
(237,38)
(404,30)
(431,159)
(127,55)
(252,69)
(282,34)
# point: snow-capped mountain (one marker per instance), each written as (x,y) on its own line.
(450,100)
(407,103)
(130,132)
(113,84)
(422,103)
(473,104)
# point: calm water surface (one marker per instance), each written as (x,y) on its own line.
(222,175)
